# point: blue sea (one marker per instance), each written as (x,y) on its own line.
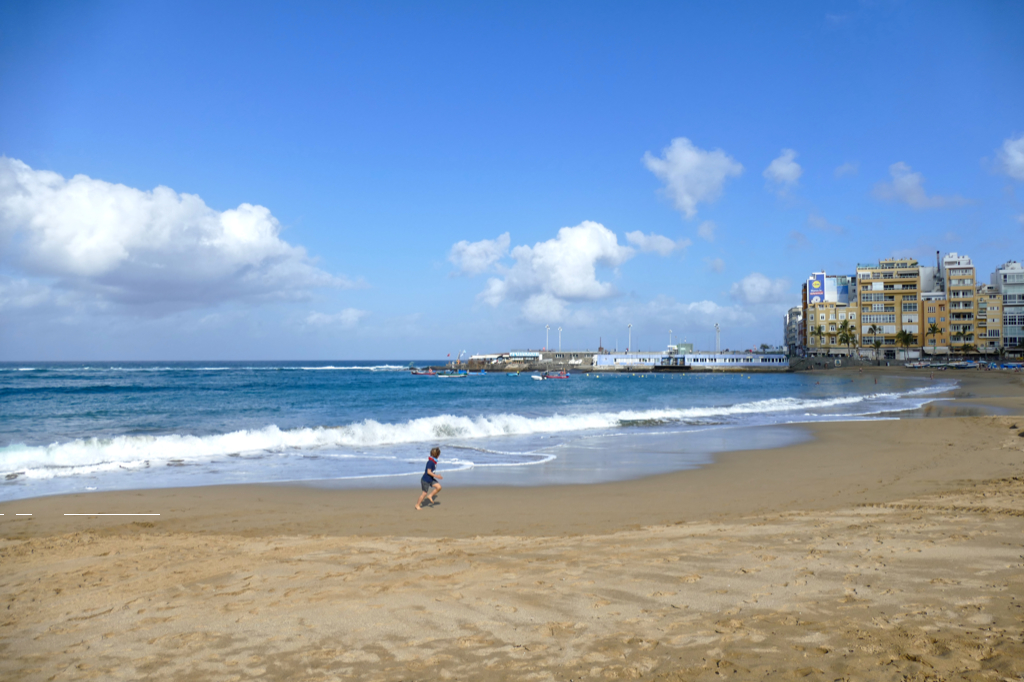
(77,427)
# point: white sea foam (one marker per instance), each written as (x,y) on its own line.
(95,455)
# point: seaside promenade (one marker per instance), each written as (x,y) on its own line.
(883,550)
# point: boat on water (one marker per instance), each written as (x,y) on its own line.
(452,375)
(424,372)
(562,374)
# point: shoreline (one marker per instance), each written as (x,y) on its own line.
(877,550)
(587,466)
(733,484)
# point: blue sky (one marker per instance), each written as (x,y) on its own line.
(406,180)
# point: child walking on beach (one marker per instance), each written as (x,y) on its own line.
(429,481)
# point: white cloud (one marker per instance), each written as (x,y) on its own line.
(908,187)
(755,288)
(692,175)
(551,273)
(706,231)
(784,171)
(820,223)
(694,316)
(347,318)
(1012,157)
(655,242)
(544,307)
(715,264)
(125,245)
(848,168)
(472,258)
(1020,219)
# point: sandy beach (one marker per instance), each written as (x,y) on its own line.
(877,550)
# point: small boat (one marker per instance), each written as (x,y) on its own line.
(512,374)
(424,372)
(536,377)
(551,375)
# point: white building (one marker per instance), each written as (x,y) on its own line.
(1009,280)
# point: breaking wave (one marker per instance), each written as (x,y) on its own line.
(94,455)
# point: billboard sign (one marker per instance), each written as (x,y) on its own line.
(816,288)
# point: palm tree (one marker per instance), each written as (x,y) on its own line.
(874,330)
(819,332)
(876,344)
(847,335)
(905,339)
(933,330)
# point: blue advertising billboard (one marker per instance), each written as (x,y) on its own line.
(816,288)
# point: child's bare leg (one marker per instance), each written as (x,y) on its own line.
(420,501)
(434,491)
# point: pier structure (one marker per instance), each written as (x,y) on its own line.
(679,358)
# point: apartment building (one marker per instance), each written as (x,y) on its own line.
(1008,279)
(989,336)
(792,326)
(826,307)
(957,280)
(890,302)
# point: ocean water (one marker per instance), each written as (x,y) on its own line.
(75,427)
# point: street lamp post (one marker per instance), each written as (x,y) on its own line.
(629,344)
(559,339)
(670,337)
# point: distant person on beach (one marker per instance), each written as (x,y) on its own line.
(429,481)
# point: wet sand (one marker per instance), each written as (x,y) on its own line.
(877,550)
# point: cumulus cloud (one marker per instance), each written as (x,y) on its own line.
(820,223)
(756,288)
(346,319)
(126,245)
(655,242)
(1011,156)
(783,172)
(715,264)
(848,168)
(473,258)
(549,274)
(706,231)
(695,315)
(692,175)
(908,187)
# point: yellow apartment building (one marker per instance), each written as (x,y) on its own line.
(960,285)
(828,317)
(889,297)
(989,336)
